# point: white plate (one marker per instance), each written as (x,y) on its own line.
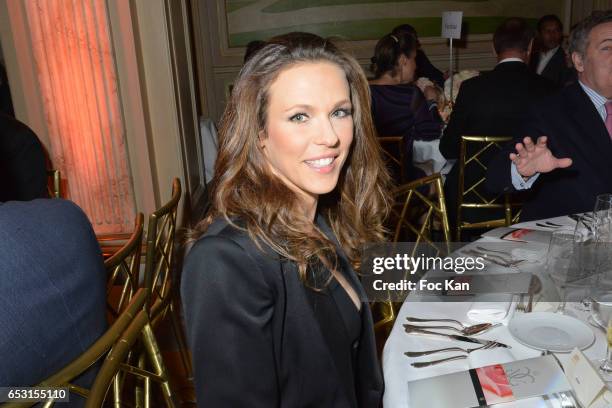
(550,331)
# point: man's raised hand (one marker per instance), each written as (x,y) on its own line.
(533,158)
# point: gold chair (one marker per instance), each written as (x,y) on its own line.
(414,217)
(113,366)
(54,183)
(123,269)
(473,195)
(393,153)
(101,347)
(159,282)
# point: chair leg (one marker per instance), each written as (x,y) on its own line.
(139,393)
(179,334)
(116,392)
(158,364)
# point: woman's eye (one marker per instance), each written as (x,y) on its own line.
(299,117)
(341,113)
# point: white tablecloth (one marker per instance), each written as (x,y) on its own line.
(396,366)
(426,156)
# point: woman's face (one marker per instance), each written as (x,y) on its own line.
(407,68)
(309,127)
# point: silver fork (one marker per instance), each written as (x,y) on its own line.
(504,253)
(496,259)
(459,349)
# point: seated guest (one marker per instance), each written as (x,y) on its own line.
(570,163)
(424,67)
(550,59)
(274,311)
(23,174)
(52,290)
(399,108)
(492,104)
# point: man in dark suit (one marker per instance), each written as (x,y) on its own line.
(492,104)
(52,290)
(550,59)
(23,174)
(571,161)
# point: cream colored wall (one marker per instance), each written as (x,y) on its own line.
(221,63)
(168,87)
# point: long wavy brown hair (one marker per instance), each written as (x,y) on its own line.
(244,187)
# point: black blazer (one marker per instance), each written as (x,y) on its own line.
(575,130)
(492,104)
(254,338)
(556,70)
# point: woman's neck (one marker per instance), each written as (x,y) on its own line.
(386,79)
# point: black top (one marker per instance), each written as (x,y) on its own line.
(254,338)
(340,324)
(401,110)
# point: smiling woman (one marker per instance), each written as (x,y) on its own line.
(275,313)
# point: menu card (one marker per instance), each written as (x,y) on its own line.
(494,384)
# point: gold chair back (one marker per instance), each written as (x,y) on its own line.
(426,197)
(101,347)
(159,281)
(419,209)
(160,254)
(393,153)
(123,269)
(54,183)
(472,194)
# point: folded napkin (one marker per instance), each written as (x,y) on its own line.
(490,308)
(528,255)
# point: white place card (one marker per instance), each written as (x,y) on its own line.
(451,24)
(588,386)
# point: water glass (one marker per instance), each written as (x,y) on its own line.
(561,265)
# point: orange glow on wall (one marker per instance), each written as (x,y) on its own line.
(78,83)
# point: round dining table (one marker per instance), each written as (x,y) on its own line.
(397,368)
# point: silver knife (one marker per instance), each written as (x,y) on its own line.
(409,329)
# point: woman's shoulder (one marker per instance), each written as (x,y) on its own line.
(230,237)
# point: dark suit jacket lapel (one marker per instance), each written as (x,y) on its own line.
(554,64)
(593,140)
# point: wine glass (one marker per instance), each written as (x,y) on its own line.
(587,253)
(601,312)
(560,262)
(602,212)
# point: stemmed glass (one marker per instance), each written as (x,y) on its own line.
(603,207)
(561,263)
(601,293)
(601,312)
